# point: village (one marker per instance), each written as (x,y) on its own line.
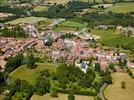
(77,48)
(66,50)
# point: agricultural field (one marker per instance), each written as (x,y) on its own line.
(70,26)
(122,8)
(30,75)
(60,97)
(115,92)
(30,20)
(113,38)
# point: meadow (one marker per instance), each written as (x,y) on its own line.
(60,97)
(30,20)
(70,26)
(122,8)
(40,8)
(113,38)
(115,92)
(30,75)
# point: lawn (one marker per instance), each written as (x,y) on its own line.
(30,75)
(122,8)
(113,38)
(115,92)
(60,97)
(30,20)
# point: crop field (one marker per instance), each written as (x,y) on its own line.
(30,75)
(30,20)
(115,92)
(60,97)
(122,8)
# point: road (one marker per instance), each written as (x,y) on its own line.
(101,93)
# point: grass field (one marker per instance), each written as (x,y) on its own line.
(64,29)
(122,8)
(115,92)
(41,8)
(69,26)
(30,75)
(113,38)
(60,97)
(72,24)
(30,20)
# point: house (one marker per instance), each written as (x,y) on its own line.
(31,29)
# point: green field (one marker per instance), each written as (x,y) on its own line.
(60,97)
(115,92)
(41,8)
(30,20)
(113,38)
(70,26)
(122,8)
(30,75)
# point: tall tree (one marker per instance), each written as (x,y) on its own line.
(42,85)
(31,61)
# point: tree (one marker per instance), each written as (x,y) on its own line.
(31,61)
(53,92)
(87,79)
(53,76)
(96,85)
(98,98)
(45,73)
(42,85)
(2,82)
(107,79)
(97,67)
(13,63)
(20,87)
(111,66)
(63,73)
(71,96)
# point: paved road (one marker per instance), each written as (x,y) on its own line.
(101,93)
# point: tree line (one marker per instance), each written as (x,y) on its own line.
(14,32)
